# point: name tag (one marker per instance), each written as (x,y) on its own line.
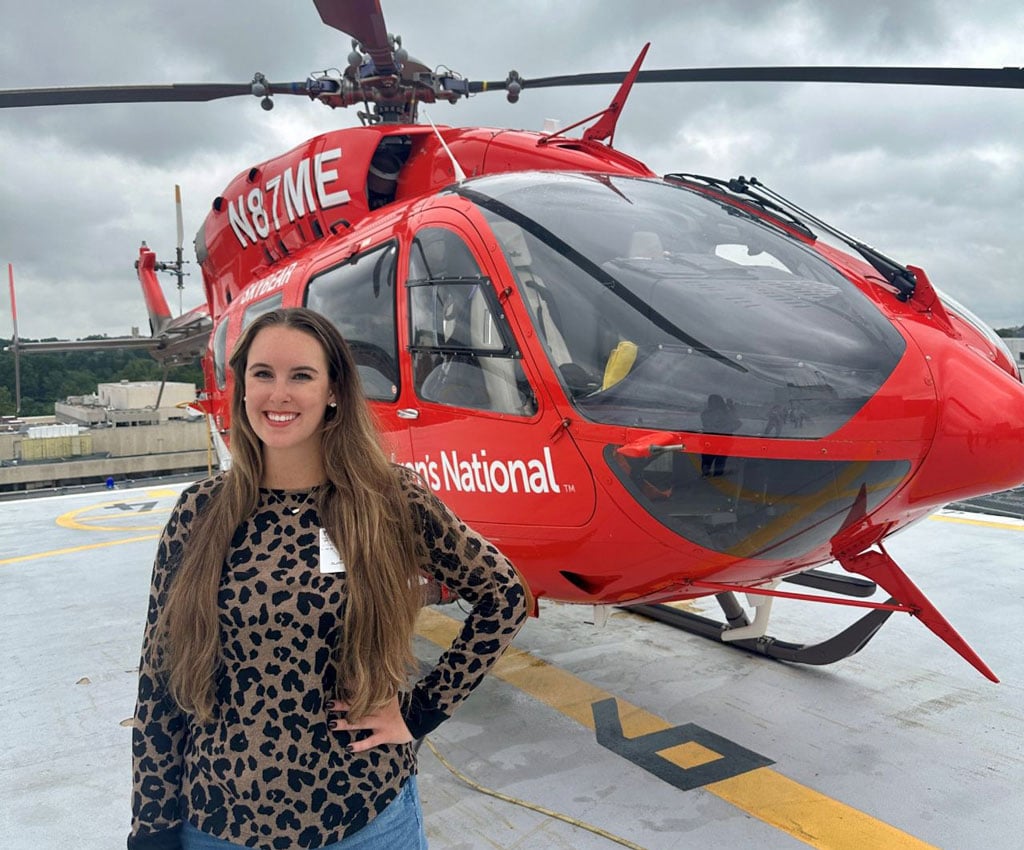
(330,559)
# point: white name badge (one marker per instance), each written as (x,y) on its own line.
(330,559)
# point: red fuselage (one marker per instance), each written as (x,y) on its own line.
(843,413)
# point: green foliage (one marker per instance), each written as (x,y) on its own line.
(1011,333)
(47,378)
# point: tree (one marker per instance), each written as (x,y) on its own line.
(47,378)
(140,370)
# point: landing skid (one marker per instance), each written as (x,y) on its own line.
(873,568)
(848,642)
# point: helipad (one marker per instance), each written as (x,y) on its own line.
(656,738)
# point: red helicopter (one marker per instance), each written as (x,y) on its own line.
(643,388)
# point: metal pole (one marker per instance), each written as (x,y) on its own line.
(14,343)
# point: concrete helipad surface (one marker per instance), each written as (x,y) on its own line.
(662,740)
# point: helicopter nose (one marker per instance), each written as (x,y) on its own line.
(978,446)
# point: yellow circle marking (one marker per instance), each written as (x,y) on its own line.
(74,519)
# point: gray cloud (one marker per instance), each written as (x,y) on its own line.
(930,176)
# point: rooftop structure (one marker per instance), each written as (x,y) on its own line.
(129,403)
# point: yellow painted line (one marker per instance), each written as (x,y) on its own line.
(763,793)
(808,815)
(1008,524)
(71,549)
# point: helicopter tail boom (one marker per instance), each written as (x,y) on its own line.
(172,341)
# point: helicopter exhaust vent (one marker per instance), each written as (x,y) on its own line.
(588,584)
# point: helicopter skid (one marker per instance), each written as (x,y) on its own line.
(848,642)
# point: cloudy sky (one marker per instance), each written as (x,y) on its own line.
(932,177)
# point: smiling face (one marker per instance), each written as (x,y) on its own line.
(287,391)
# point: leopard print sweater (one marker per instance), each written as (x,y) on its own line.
(268,771)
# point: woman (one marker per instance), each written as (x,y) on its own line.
(273,708)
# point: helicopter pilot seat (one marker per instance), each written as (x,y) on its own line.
(643,245)
(458,383)
(478,380)
(500,372)
(456,378)
(450,374)
(533,289)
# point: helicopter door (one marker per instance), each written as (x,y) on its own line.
(358,296)
(484,439)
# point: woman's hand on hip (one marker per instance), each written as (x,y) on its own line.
(386,725)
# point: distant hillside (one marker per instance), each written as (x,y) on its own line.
(46,378)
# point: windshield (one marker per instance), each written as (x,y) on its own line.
(662,308)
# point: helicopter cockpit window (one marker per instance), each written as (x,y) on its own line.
(258,308)
(220,354)
(653,301)
(463,351)
(359,298)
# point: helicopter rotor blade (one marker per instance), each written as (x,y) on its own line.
(178,218)
(970,77)
(184,92)
(364,21)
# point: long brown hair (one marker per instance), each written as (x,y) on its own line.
(364,512)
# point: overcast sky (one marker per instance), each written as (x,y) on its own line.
(933,177)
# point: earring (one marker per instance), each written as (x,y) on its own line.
(245,398)
(332,404)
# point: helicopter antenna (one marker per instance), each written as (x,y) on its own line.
(605,128)
(460,175)
(14,344)
(181,238)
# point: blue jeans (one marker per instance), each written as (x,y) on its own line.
(398,827)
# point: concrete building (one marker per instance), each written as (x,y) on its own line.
(92,456)
(116,433)
(128,403)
